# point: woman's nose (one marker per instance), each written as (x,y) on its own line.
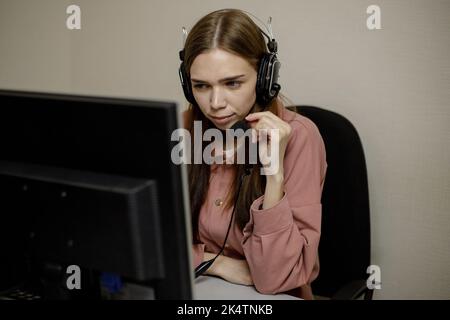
(217,99)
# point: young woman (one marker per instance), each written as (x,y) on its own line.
(274,238)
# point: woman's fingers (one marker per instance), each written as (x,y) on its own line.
(264,127)
(268,120)
(257,115)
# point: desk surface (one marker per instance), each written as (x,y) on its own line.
(212,288)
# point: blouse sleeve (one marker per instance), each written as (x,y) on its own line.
(281,243)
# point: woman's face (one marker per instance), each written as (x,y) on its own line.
(223,85)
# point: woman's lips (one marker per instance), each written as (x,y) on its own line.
(222,120)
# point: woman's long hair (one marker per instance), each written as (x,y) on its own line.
(233,31)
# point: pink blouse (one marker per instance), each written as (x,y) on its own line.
(280,243)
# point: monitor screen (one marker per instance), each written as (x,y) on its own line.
(89,182)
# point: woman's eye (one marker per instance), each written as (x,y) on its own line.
(233,84)
(200,86)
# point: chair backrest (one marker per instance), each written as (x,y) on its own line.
(344,250)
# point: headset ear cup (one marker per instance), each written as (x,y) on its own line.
(267,86)
(186,84)
(261,81)
(273,87)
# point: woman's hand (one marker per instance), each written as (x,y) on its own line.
(272,165)
(269,139)
(230,269)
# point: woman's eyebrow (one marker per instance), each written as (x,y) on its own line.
(221,80)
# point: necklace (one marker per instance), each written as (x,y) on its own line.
(218,202)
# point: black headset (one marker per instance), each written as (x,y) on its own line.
(267,86)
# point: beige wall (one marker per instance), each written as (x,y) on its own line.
(393,84)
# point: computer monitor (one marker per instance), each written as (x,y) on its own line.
(89,181)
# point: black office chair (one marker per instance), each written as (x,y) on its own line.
(344,249)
